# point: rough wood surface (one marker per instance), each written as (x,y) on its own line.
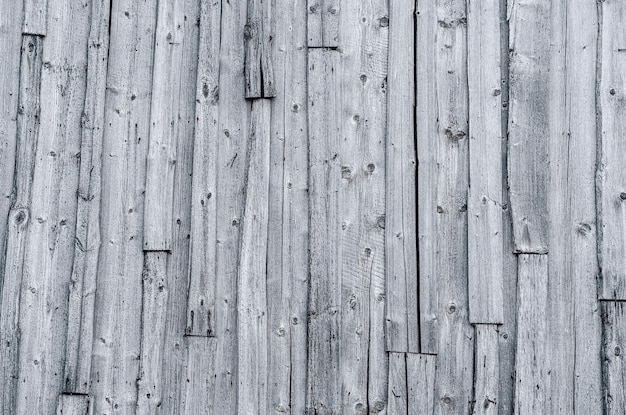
(259,42)
(420,378)
(486,370)
(199,377)
(485,244)
(323,23)
(398,395)
(402,321)
(69,404)
(35,16)
(613,344)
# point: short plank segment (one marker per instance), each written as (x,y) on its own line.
(251,286)
(73,404)
(35,16)
(323,23)
(611,172)
(324,371)
(485,245)
(153,315)
(199,377)
(486,370)
(398,394)
(613,346)
(529,123)
(117,327)
(83,282)
(259,43)
(402,321)
(531,359)
(420,369)
(19,220)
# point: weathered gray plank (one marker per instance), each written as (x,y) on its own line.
(486,369)
(19,219)
(199,377)
(531,358)
(420,378)
(611,175)
(613,344)
(201,295)
(530,122)
(73,404)
(323,23)
(398,395)
(325,302)
(485,245)
(35,16)
(153,315)
(87,244)
(259,41)
(251,285)
(117,332)
(402,328)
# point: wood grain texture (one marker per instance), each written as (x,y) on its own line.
(486,369)
(323,23)
(420,377)
(485,244)
(531,359)
(398,398)
(530,127)
(402,321)
(199,377)
(35,17)
(611,177)
(259,45)
(613,344)
(73,404)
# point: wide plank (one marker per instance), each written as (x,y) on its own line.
(486,370)
(420,380)
(323,23)
(259,45)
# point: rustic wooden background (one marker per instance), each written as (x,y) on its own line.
(320,207)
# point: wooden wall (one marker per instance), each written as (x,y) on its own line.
(312,207)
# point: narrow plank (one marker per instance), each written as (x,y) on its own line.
(614,339)
(83,281)
(529,123)
(531,360)
(202,278)
(398,394)
(117,327)
(19,221)
(403,325)
(157,234)
(611,177)
(259,41)
(50,238)
(324,372)
(323,23)
(251,285)
(199,379)
(35,16)
(486,370)
(153,315)
(420,369)
(73,404)
(484,210)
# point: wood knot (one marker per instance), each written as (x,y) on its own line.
(383,21)
(454,135)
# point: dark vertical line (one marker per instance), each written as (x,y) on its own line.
(416,179)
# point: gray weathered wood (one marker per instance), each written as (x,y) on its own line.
(486,369)
(531,360)
(323,23)
(259,40)
(73,404)
(485,245)
(19,220)
(529,123)
(613,345)
(117,332)
(35,16)
(324,378)
(420,378)
(398,398)
(402,321)
(251,283)
(199,377)
(611,174)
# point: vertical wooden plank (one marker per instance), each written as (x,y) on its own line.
(117,328)
(402,328)
(398,394)
(251,286)
(529,123)
(323,23)
(531,361)
(613,344)
(69,404)
(87,244)
(259,45)
(35,16)
(324,382)
(19,220)
(420,376)
(153,315)
(485,245)
(486,370)
(611,175)
(199,377)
